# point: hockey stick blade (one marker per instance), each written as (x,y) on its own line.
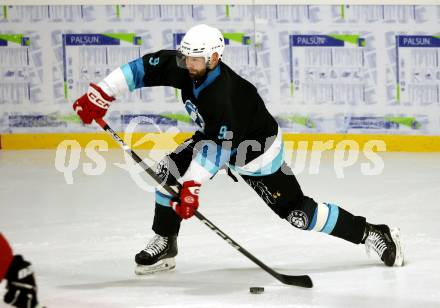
(299,281)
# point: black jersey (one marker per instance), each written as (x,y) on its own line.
(224,106)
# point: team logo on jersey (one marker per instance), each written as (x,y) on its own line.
(194,114)
(298,219)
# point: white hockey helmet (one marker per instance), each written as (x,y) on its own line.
(201,41)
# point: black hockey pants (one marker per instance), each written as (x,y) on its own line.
(280,191)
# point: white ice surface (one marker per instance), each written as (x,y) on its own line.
(82,238)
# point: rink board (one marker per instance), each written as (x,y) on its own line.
(168,141)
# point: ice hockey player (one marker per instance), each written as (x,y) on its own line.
(231,117)
(21,287)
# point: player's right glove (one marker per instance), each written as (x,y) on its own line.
(188,200)
(92,105)
(21,286)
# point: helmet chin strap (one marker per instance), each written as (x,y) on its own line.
(208,62)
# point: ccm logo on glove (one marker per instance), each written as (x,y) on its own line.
(188,202)
(92,105)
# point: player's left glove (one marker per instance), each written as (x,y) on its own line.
(21,286)
(188,201)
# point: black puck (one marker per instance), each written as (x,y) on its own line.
(256,290)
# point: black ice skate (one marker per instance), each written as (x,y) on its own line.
(158,256)
(385,242)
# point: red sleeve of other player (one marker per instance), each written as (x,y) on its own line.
(5,256)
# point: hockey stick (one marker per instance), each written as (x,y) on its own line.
(300,281)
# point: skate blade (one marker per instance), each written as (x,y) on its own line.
(395,234)
(163,265)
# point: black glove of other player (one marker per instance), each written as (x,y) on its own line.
(21,287)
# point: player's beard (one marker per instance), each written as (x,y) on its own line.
(197,75)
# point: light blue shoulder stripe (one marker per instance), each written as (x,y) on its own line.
(128,74)
(134,74)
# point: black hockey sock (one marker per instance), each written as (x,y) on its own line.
(166,221)
(349,227)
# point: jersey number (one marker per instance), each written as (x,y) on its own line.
(223,133)
(154,62)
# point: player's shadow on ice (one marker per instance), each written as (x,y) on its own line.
(207,282)
(217,281)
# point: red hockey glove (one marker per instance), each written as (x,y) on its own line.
(6,256)
(188,201)
(92,105)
